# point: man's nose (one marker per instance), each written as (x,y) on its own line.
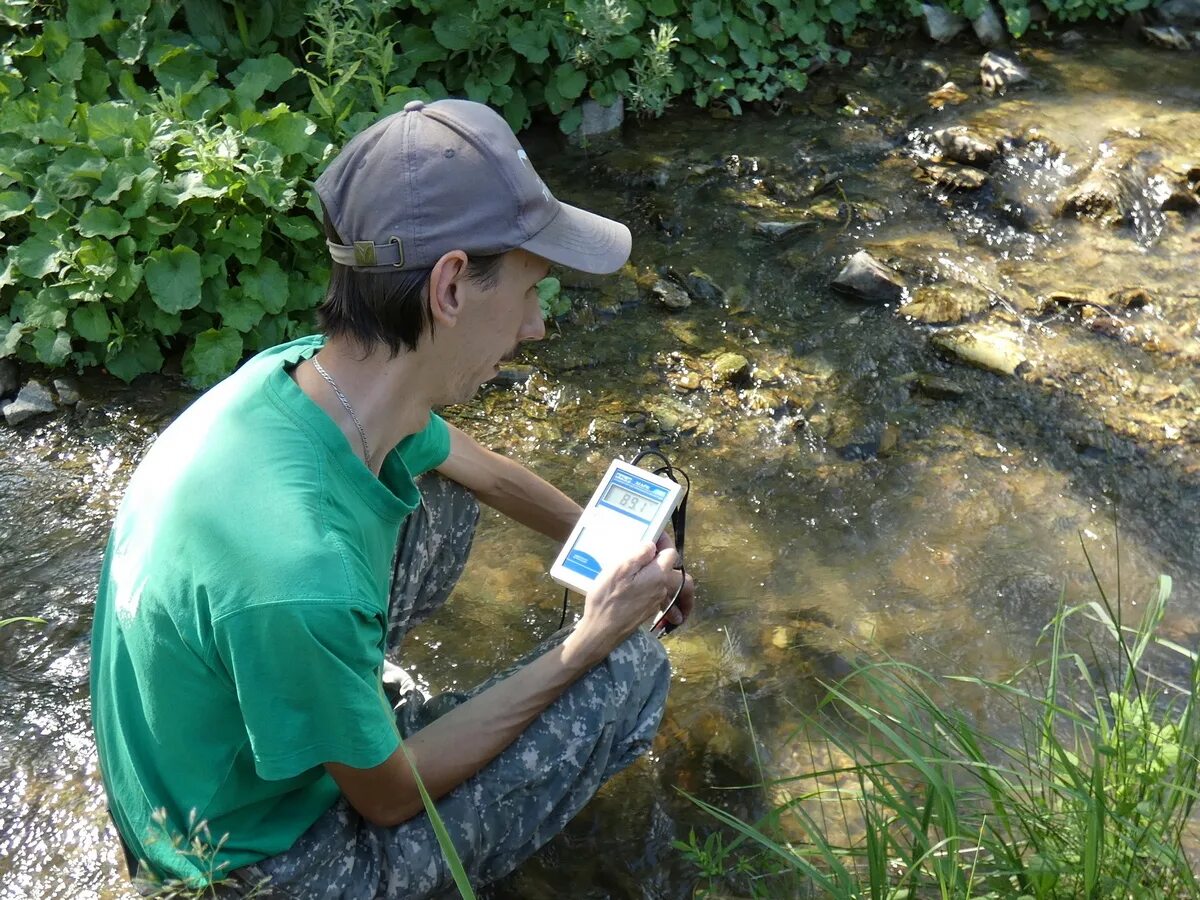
(534,328)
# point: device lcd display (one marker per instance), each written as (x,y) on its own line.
(625,499)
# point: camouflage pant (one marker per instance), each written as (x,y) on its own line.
(520,800)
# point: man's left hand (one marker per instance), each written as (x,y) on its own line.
(682,608)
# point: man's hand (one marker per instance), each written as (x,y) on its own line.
(627,596)
(684,603)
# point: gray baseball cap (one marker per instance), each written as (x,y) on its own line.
(449,176)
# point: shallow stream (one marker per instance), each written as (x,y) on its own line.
(855,491)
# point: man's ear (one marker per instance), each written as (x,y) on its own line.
(445,288)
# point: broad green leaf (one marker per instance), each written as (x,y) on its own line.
(45,309)
(707,21)
(296,228)
(239,311)
(84,17)
(844,11)
(157,321)
(91,322)
(267,284)
(516,111)
(478,89)
(1017,19)
(12,338)
(181,69)
(454,31)
(188,186)
(291,132)
(110,125)
(662,7)
(419,46)
(97,259)
(530,40)
(13,203)
(624,47)
(67,68)
(136,355)
(102,221)
(569,81)
(254,77)
(571,120)
(120,177)
(173,277)
(36,257)
(132,43)
(51,347)
(212,356)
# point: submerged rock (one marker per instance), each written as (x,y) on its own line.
(868,279)
(730,368)
(512,375)
(947,95)
(670,295)
(34,399)
(998,73)
(783,229)
(1183,13)
(1112,186)
(940,23)
(702,288)
(945,304)
(994,352)
(952,177)
(966,145)
(67,390)
(936,387)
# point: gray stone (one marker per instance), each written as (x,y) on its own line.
(1170,37)
(989,28)
(730,368)
(945,304)
(940,24)
(783,229)
(9,379)
(936,387)
(868,279)
(67,390)
(512,376)
(999,73)
(955,178)
(1181,13)
(599,120)
(670,295)
(33,400)
(1072,40)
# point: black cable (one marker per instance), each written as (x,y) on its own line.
(678,528)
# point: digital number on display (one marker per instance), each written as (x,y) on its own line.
(628,500)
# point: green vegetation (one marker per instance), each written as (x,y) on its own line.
(1088,795)
(156,158)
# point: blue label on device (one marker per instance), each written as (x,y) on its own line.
(583,563)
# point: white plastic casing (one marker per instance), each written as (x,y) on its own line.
(629,507)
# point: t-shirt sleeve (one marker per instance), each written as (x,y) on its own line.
(307,677)
(426,449)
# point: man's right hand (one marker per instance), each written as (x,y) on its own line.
(625,598)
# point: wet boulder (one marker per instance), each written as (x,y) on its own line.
(998,72)
(1112,186)
(947,95)
(993,351)
(866,278)
(702,288)
(935,387)
(776,230)
(1027,182)
(970,146)
(953,178)
(33,400)
(670,295)
(67,390)
(1168,37)
(940,23)
(730,368)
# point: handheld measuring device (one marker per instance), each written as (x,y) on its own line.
(629,507)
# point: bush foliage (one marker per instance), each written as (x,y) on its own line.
(156,156)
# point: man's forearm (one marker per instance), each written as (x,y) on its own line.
(525,497)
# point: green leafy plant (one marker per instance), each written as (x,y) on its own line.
(553,301)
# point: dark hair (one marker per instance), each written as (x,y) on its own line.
(387,307)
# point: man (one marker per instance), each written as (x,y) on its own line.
(281,537)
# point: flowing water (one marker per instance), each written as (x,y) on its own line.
(845,502)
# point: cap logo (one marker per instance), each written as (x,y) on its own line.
(364,253)
(524,157)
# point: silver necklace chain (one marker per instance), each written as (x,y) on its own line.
(362,435)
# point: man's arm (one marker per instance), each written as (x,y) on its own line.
(456,746)
(509,487)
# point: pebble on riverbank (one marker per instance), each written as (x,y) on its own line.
(34,400)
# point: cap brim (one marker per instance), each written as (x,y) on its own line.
(582,240)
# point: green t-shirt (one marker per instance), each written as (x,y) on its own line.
(240,622)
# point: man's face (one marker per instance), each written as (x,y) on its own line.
(499,319)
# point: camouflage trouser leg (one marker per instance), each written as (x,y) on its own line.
(520,800)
